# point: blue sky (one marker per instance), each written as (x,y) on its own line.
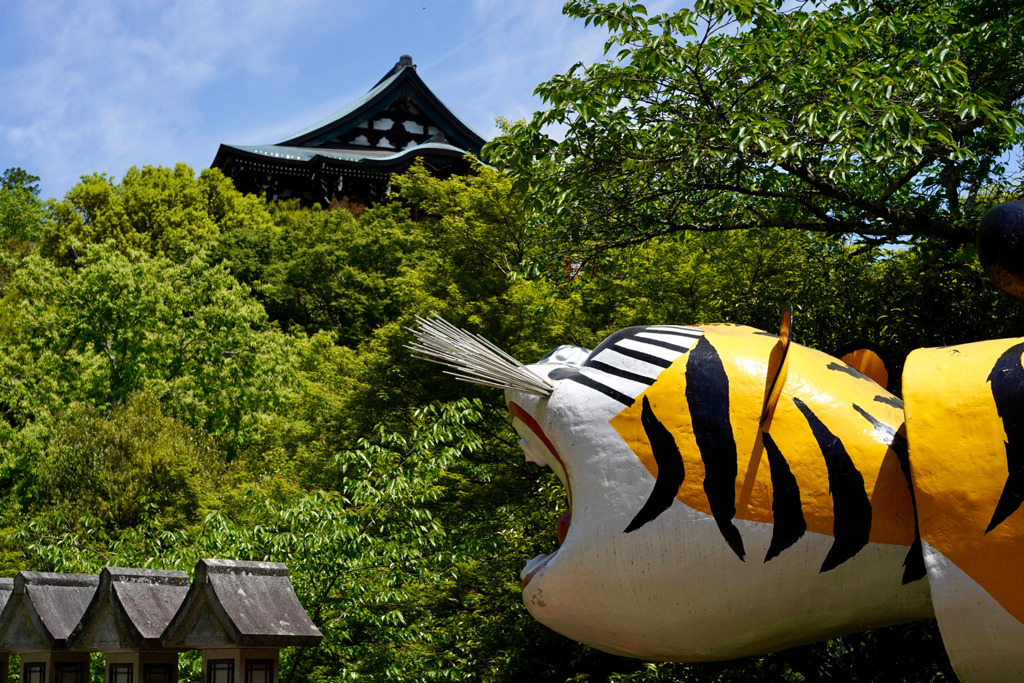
(100,86)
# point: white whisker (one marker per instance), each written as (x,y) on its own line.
(474,358)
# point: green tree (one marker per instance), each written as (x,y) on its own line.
(878,119)
(21,211)
(368,556)
(116,468)
(472,224)
(121,323)
(156,210)
(326,271)
(475,244)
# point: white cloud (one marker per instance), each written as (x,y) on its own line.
(510,49)
(100,86)
(111,83)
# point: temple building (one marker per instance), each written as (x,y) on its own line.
(350,156)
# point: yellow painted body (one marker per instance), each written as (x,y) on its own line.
(831,394)
(959,465)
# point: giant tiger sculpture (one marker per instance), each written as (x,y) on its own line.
(731,493)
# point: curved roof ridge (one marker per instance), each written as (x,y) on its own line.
(351,108)
(369,156)
(403,74)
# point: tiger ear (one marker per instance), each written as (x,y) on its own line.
(867,358)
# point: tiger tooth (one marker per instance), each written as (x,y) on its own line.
(534,454)
(532,566)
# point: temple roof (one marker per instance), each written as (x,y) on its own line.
(398,120)
(43,609)
(240,604)
(401,85)
(130,610)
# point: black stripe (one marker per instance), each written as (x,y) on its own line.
(619,372)
(707,393)
(580,378)
(638,355)
(787,510)
(1007,378)
(661,344)
(671,470)
(883,430)
(563,372)
(890,401)
(913,564)
(615,338)
(841,366)
(851,508)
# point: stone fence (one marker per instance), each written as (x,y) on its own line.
(239,614)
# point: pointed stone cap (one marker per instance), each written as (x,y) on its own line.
(43,609)
(6,588)
(240,604)
(130,610)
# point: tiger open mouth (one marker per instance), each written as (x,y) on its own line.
(539,449)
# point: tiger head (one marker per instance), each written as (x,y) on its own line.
(696,532)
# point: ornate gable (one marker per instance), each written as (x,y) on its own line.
(400,126)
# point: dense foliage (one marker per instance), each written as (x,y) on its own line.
(21,212)
(877,118)
(188,372)
(161,211)
(248,395)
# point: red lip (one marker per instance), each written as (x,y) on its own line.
(519,413)
(563,526)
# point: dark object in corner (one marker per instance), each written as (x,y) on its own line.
(1001,247)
